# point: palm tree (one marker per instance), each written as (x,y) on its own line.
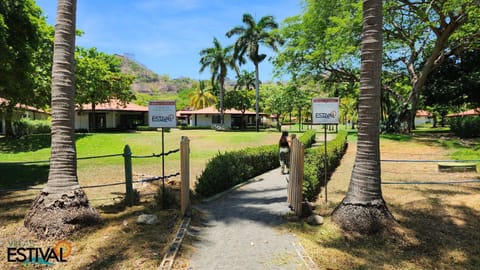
(62,206)
(364,209)
(245,79)
(219,59)
(202,97)
(251,36)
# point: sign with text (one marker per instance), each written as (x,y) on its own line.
(325,110)
(162,114)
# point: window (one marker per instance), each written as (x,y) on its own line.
(215,119)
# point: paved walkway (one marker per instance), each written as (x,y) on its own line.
(241,231)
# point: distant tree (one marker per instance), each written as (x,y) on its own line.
(246,80)
(348,109)
(62,207)
(99,79)
(240,100)
(250,37)
(218,59)
(363,209)
(203,96)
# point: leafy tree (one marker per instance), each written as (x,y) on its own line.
(202,97)
(422,34)
(218,59)
(240,100)
(348,109)
(419,36)
(62,207)
(99,79)
(364,209)
(24,37)
(251,36)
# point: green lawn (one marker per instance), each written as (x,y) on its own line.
(204,145)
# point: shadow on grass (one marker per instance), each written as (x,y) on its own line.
(22,176)
(29,143)
(429,237)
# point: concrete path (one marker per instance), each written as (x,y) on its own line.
(241,229)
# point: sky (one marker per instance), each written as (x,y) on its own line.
(167,35)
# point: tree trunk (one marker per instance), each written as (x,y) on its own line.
(363,209)
(62,207)
(222,101)
(8,121)
(257,97)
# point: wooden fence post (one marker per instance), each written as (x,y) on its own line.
(295,185)
(185,175)
(127,157)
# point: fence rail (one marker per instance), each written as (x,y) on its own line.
(295,183)
(128,182)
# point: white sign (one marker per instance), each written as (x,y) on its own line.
(162,114)
(325,110)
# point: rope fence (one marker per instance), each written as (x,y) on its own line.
(146,180)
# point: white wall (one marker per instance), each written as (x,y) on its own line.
(206,120)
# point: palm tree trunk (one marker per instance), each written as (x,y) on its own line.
(257,97)
(62,207)
(222,101)
(363,209)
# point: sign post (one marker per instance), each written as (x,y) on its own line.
(325,111)
(162,114)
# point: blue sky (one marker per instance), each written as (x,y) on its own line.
(167,35)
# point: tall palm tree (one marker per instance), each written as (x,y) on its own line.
(202,97)
(363,209)
(62,206)
(218,59)
(251,36)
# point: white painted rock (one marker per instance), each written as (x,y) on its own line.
(147,219)
(315,220)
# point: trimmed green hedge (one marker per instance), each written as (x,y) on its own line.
(27,126)
(228,169)
(465,127)
(314,172)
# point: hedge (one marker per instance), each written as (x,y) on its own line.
(314,172)
(465,127)
(27,126)
(228,169)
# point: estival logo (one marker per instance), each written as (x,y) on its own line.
(37,255)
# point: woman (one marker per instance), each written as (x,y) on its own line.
(284,152)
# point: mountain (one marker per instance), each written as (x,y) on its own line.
(149,82)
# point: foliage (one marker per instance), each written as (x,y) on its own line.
(314,168)
(218,59)
(99,79)
(239,99)
(250,37)
(465,127)
(202,96)
(323,43)
(228,169)
(26,126)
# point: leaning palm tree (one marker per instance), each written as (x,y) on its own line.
(251,36)
(62,207)
(202,97)
(218,59)
(363,209)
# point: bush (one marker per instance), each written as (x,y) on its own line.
(314,172)
(228,169)
(465,127)
(27,126)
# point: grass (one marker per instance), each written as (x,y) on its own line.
(437,224)
(117,243)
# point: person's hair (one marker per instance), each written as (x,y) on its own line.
(283,139)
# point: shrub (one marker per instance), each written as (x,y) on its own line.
(228,169)
(465,127)
(27,126)
(314,167)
